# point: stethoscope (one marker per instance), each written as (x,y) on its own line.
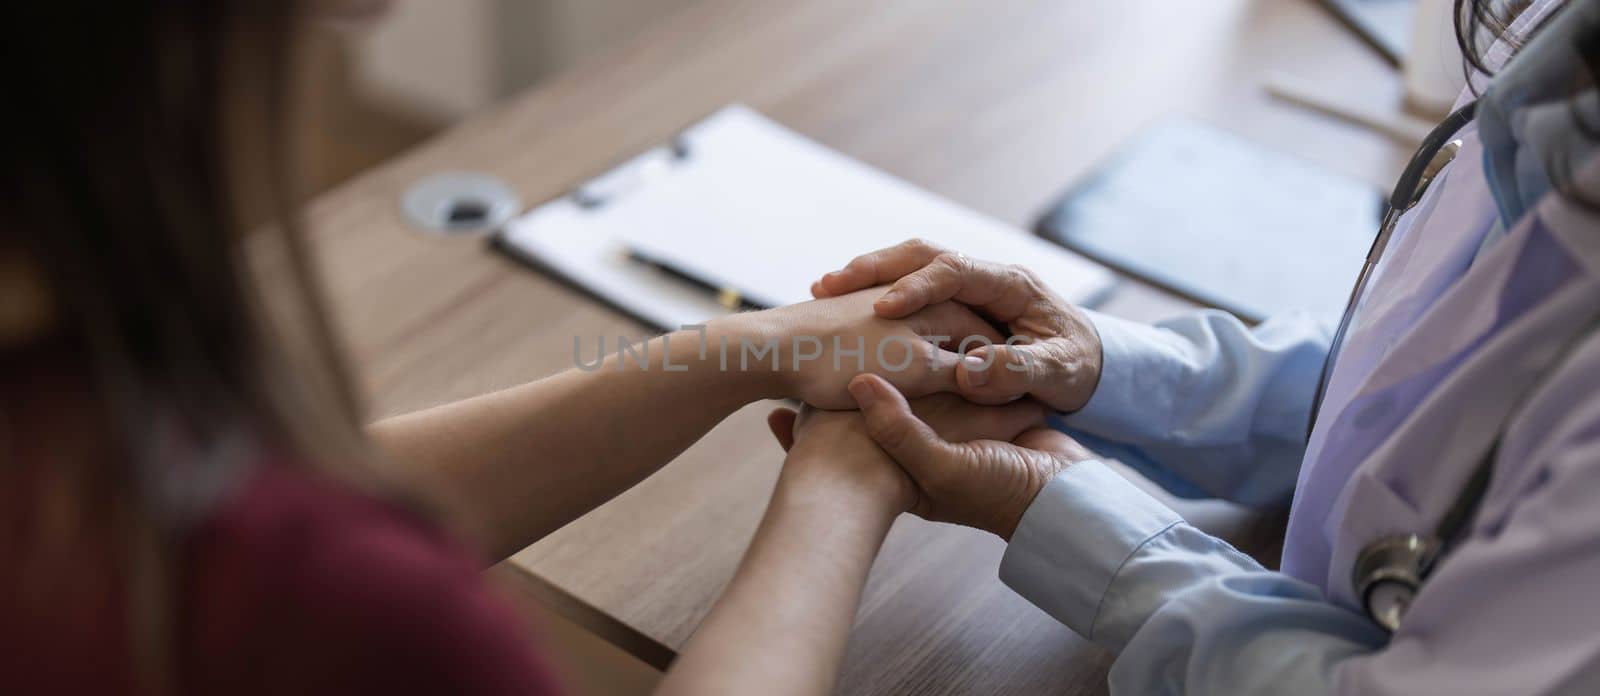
(1390,571)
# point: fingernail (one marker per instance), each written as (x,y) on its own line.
(976,375)
(863,392)
(888,298)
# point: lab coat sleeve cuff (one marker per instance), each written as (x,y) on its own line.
(1075,537)
(1133,358)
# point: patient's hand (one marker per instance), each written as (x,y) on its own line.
(844,437)
(821,345)
(831,451)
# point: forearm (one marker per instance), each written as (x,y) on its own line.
(782,624)
(534,457)
(1186,613)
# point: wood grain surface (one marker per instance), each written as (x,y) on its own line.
(996,104)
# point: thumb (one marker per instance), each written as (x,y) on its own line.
(1001,373)
(892,425)
(1052,441)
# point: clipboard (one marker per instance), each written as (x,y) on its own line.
(738,212)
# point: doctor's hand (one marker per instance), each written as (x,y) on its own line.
(828,449)
(1054,353)
(978,466)
(985,483)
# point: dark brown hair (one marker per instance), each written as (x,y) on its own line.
(1479,23)
(122,184)
(135,129)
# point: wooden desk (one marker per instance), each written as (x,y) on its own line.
(998,105)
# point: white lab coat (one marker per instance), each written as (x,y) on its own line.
(1464,327)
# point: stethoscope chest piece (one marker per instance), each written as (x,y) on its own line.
(1388,574)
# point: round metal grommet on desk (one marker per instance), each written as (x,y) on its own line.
(460,203)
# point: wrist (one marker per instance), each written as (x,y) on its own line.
(1087,356)
(877,486)
(1034,479)
(723,347)
(1009,516)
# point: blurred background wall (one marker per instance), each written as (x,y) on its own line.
(445,59)
(430,63)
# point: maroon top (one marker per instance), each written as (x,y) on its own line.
(293,586)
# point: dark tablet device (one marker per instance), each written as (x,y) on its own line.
(1223,221)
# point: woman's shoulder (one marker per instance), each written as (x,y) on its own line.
(296,582)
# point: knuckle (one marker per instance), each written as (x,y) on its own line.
(952,261)
(889,431)
(1021,273)
(909,284)
(1046,364)
(1019,368)
(1057,355)
(1035,371)
(922,281)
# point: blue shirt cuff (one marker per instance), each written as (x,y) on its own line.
(1075,537)
(1134,375)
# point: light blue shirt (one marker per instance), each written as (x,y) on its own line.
(1511,612)
(1460,313)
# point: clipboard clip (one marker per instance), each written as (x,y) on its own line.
(632,174)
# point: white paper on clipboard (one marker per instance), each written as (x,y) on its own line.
(752,206)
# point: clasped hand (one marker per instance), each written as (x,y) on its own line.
(978,458)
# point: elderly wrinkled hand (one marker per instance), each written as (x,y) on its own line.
(965,463)
(1053,352)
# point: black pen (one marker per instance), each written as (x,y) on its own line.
(728,297)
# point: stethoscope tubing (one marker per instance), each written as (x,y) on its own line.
(1407,191)
(1403,562)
